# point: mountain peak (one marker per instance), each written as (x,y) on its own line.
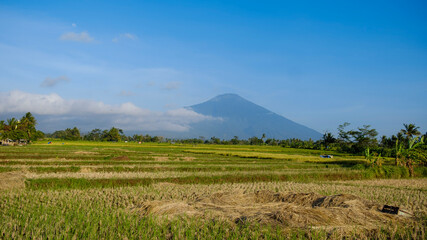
(227,96)
(245,119)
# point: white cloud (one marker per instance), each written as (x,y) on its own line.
(50,82)
(172,85)
(74,25)
(125,36)
(76,37)
(126,116)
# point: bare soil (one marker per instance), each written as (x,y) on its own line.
(286,209)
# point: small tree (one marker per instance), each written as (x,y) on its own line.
(112,135)
(357,140)
(343,135)
(215,140)
(72,134)
(94,135)
(235,140)
(255,141)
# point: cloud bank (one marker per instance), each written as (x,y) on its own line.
(53,108)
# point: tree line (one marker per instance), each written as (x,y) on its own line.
(407,146)
(108,135)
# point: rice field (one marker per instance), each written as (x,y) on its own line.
(85,190)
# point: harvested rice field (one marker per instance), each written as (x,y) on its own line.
(87,190)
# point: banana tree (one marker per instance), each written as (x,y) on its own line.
(398,149)
(2,126)
(413,155)
(374,159)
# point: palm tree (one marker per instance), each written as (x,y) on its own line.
(12,123)
(410,131)
(28,123)
(30,118)
(328,138)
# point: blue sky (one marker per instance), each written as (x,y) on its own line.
(317,63)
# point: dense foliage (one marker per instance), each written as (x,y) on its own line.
(23,129)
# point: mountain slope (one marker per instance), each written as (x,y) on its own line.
(245,119)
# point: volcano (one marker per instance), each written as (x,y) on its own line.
(244,119)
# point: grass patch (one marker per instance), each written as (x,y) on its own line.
(8,169)
(54,169)
(83,183)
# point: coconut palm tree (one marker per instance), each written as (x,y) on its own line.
(410,131)
(328,138)
(28,124)
(30,118)
(12,123)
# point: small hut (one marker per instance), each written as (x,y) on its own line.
(6,142)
